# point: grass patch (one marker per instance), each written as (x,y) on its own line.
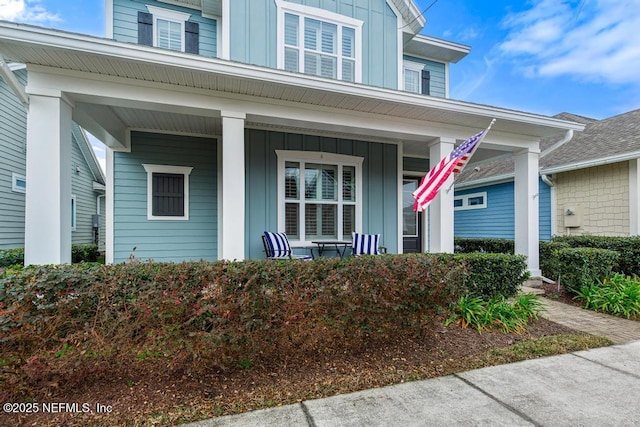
(545,346)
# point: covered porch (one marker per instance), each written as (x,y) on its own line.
(119,91)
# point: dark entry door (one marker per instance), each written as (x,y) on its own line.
(411,221)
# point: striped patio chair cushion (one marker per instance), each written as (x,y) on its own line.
(277,244)
(365,244)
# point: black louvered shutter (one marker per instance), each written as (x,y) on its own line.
(192,37)
(168,194)
(426,82)
(145,28)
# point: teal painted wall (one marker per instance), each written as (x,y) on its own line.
(498,219)
(13,131)
(125,23)
(437,72)
(254,34)
(415,164)
(379,175)
(194,239)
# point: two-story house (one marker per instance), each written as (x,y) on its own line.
(86,201)
(228,118)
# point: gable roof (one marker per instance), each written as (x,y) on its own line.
(89,155)
(603,141)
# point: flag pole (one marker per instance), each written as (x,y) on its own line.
(471,154)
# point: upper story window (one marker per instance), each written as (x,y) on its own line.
(317,42)
(416,78)
(168,29)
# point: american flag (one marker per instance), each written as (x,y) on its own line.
(452,163)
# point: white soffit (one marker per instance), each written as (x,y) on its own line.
(433,48)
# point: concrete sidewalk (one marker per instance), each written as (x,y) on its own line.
(599,387)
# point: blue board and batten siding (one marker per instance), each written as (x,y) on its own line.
(379,186)
(254,34)
(497,220)
(166,240)
(13,130)
(437,72)
(125,23)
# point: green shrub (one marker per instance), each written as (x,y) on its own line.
(495,313)
(627,247)
(84,253)
(79,253)
(549,259)
(578,267)
(498,246)
(618,295)
(493,274)
(11,257)
(216,315)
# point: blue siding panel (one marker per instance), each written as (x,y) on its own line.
(82,188)
(254,35)
(13,131)
(414,164)
(380,190)
(194,239)
(498,219)
(437,72)
(125,23)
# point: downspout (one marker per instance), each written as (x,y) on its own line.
(13,83)
(566,138)
(547,179)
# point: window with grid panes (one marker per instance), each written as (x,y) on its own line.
(319,46)
(320,200)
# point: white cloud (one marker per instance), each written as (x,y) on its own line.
(593,40)
(27,11)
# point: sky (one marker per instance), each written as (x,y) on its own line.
(542,56)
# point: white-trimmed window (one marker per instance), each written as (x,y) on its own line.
(318,42)
(18,183)
(470,201)
(319,195)
(73,212)
(168,28)
(167,192)
(414,78)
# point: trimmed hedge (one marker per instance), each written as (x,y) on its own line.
(498,246)
(578,267)
(79,253)
(628,249)
(223,312)
(493,274)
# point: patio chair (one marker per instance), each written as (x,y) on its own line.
(276,246)
(366,244)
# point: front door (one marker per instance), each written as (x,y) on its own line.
(411,220)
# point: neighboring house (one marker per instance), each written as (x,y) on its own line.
(588,185)
(224,119)
(87,184)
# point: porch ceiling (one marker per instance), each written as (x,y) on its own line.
(112,61)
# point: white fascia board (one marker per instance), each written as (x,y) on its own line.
(6,74)
(53,39)
(591,163)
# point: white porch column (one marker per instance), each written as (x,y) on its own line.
(526,208)
(634,197)
(441,208)
(233,194)
(48,198)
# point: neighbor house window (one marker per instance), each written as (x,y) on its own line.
(320,195)
(167,192)
(318,42)
(18,183)
(416,78)
(73,212)
(470,201)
